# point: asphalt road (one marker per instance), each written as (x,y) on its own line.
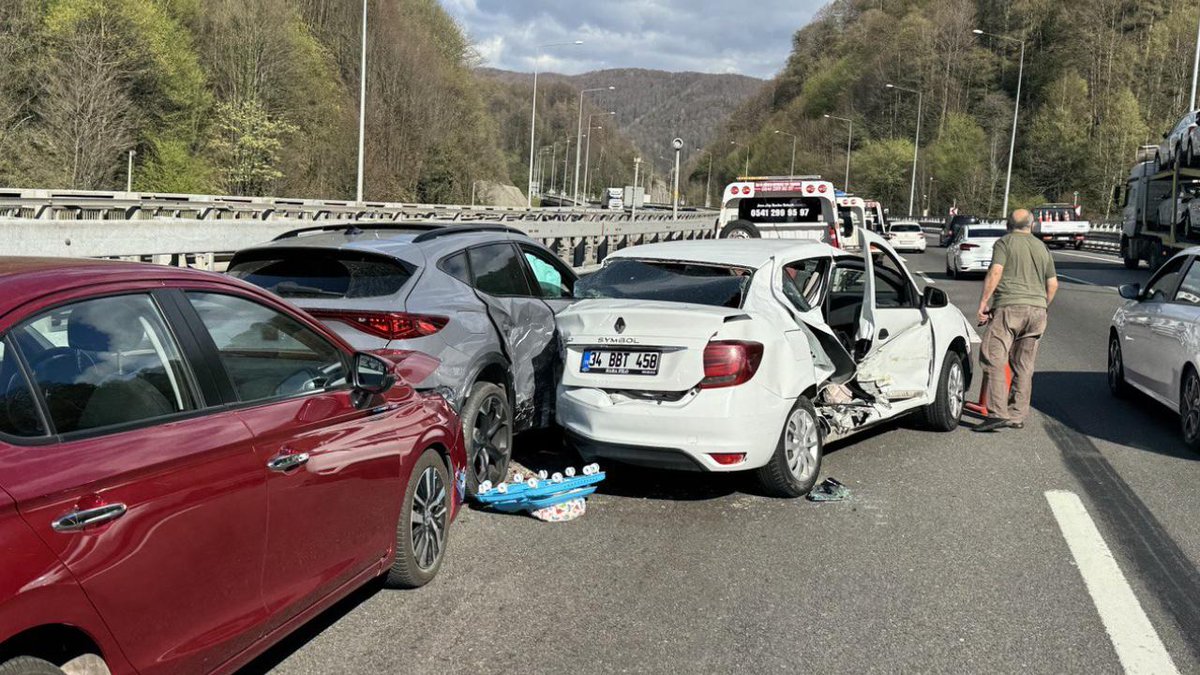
(948,556)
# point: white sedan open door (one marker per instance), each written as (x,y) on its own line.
(894,330)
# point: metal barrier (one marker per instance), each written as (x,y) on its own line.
(173,227)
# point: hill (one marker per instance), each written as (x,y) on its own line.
(1101,77)
(655,106)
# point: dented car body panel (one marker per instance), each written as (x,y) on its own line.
(849,332)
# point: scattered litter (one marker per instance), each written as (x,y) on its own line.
(830,490)
(555,499)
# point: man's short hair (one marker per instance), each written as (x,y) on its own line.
(1021,219)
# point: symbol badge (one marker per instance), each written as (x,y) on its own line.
(619,326)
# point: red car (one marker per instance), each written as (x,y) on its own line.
(190,468)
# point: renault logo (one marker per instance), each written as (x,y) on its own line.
(619,326)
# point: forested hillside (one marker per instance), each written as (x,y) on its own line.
(240,96)
(1101,78)
(655,106)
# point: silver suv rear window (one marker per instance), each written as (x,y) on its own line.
(306,273)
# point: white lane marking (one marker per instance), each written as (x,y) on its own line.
(1137,645)
(926,278)
(1113,260)
(1077,280)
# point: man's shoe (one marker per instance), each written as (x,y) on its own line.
(991,424)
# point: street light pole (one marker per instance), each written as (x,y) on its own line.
(1196,67)
(678,145)
(129,172)
(362,104)
(746,171)
(912,191)
(579,135)
(791,171)
(707,181)
(849,144)
(1012,143)
(533,115)
(588,154)
(637,164)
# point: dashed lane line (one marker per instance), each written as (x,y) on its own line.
(1110,259)
(1138,646)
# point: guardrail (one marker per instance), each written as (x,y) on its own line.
(1102,238)
(208,228)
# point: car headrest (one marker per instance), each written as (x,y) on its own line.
(104,326)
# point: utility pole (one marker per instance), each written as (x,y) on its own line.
(362,105)
(678,145)
(129,172)
(637,164)
(1012,143)
(791,171)
(912,191)
(533,115)
(579,136)
(1195,66)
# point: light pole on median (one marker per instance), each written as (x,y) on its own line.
(791,171)
(533,115)
(707,181)
(1195,67)
(746,171)
(1012,143)
(637,164)
(362,104)
(912,191)
(579,135)
(588,152)
(129,172)
(849,143)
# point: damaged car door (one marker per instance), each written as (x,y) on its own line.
(525,325)
(895,347)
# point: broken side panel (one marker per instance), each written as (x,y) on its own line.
(527,331)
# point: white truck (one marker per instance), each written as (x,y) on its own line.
(852,215)
(614,198)
(1060,224)
(1160,211)
(782,207)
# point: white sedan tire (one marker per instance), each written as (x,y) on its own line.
(793,469)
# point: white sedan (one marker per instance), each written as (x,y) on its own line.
(971,249)
(907,235)
(1154,341)
(751,354)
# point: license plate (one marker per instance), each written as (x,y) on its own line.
(606,362)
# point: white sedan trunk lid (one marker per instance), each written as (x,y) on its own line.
(678,332)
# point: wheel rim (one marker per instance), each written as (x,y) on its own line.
(1191,407)
(738,234)
(955,391)
(489,439)
(801,444)
(428,520)
(1114,364)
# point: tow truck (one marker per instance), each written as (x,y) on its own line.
(1060,224)
(876,217)
(1160,215)
(852,214)
(786,207)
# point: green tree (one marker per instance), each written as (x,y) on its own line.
(882,169)
(246,147)
(958,161)
(1059,137)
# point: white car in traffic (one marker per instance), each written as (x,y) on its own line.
(731,355)
(1154,341)
(907,235)
(970,250)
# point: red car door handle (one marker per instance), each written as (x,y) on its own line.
(284,463)
(80,519)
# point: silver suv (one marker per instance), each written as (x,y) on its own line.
(481,298)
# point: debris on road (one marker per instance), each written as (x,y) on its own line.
(556,498)
(830,490)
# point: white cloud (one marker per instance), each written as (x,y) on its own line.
(701,35)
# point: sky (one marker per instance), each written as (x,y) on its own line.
(676,35)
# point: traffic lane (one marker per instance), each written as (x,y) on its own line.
(1134,473)
(945,557)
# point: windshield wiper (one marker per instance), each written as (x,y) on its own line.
(293,287)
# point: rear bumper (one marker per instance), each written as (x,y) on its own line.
(676,435)
(1069,237)
(972,263)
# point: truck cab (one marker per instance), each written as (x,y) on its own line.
(783,207)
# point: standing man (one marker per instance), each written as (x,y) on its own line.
(1019,288)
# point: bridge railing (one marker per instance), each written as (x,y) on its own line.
(210,228)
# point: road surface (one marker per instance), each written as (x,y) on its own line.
(956,552)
